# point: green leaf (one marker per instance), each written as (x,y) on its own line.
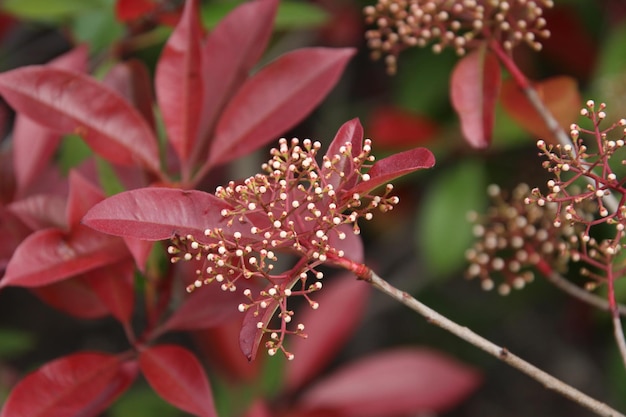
(443,231)
(14,342)
(98,28)
(291,14)
(73,151)
(299,15)
(141,401)
(47,10)
(108,178)
(612,59)
(409,86)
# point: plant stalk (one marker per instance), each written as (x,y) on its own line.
(433,317)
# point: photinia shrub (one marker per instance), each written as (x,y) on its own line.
(91,256)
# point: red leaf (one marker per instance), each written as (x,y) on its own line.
(207,307)
(352,245)
(393,127)
(179,82)
(275,99)
(140,249)
(33,144)
(159,214)
(341,306)
(41,211)
(560,95)
(396,382)
(258,409)
(127,10)
(74,103)
(51,255)
(73,296)
(83,196)
(220,347)
(250,335)
(230,53)
(350,132)
(132,81)
(13,232)
(178,377)
(33,147)
(81,384)
(114,286)
(395,166)
(474,89)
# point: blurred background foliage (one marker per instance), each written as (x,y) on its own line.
(419,247)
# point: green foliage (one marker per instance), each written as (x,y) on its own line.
(46,10)
(443,231)
(291,14)
(142,401)
(14,342)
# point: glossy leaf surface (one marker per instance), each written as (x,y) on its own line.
(230,53)
(73,296)
(179,81)
(474,89)
(83,195)
(81,384)
(395,166)
(275,99)
(351,133)
(51,255)
(159,214)
(69,102)
(131,79)
(34,144)
(207,307)
(178,377)
(396,382)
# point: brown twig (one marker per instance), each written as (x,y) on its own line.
(433,317)
(585,296)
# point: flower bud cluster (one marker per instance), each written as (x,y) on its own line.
(584,175)
(457,24)
(297,206)
(514,240)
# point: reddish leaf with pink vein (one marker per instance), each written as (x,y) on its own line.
(51,255)
(230,53)
(395,166)
(160,214)
(396,382)
(73,296)
(179,81)
(83,195)
(178,377)
(350,132)
(474,88)
(131,80)
(69,102)
(275,99)
(114,286)
(81,384)
(33,144)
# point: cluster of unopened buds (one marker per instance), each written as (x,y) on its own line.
(457,24)
(513,240)
(546,230)
(584,175)
(298,207)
